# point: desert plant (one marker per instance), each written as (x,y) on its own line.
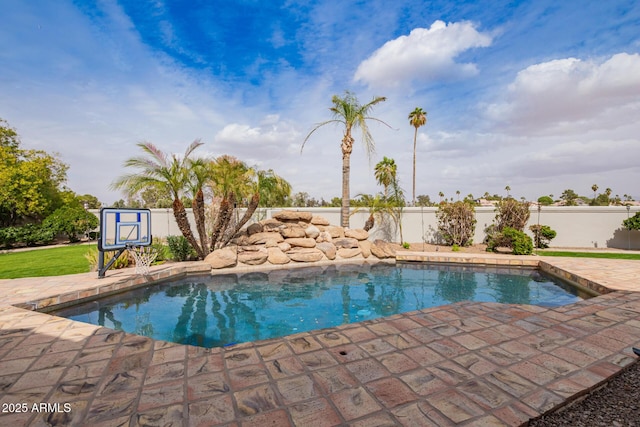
(455,248)
(456,222)
(406,245)
(121,262)
(542,235)
(511,213)
(179,248)
(517,240)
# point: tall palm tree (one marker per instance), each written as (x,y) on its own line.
(385,173)
(417,118)
(348,112)
(168,173)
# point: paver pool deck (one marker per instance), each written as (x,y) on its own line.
(485,364)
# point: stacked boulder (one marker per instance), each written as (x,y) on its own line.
(292,236)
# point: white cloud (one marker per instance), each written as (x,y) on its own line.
(424,55)
(271,140)
(571,96)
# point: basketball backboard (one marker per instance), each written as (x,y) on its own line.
(124,227)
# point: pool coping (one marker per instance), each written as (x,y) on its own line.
(329,379)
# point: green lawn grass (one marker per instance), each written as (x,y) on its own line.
(45,262)
(609,255)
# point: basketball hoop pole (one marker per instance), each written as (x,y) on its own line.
(103,270)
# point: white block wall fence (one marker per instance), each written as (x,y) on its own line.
(577,226)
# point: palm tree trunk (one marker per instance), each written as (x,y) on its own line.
(180,214)
(224,216)
(198,212)
(415,136)
(253,205)
(347,148)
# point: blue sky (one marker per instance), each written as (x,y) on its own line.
(538,95)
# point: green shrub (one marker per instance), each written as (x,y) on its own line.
(456,222)
(455,248)
(406,245)
(29,235)
(542,235)
(632,223)
(179,248)
(517,240)
(8,237)
(161,250)
(71,221)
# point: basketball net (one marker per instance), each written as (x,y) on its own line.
(143,257)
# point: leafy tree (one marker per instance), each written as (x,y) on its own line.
(274,190)
(30,181)
(569,197)
(601,200)
(545,200)
(424,200)
(153,198)
(417,118)
(348,112)
(385,173)
(90,201)
(71,221)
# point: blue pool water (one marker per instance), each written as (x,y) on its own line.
(215,311)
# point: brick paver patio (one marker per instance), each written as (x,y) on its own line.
(468,363)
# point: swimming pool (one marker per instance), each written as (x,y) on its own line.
(220,310)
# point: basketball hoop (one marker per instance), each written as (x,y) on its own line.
(143,257)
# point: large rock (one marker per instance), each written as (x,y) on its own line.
(292,231)
(365,248)
(261,238)
(356,233)
(276,256)
(335,231)
(323,237)
(271,224)
(345,242)
(318,220)
(382,249)
(312,231)
(328,249)
(305,254)
(348,252)
(293,216)
(222,258)
(284,246)
(255,228)
(253,256)
(302,242)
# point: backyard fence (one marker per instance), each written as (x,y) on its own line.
(577,226)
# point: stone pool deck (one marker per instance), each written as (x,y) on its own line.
(481,364)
